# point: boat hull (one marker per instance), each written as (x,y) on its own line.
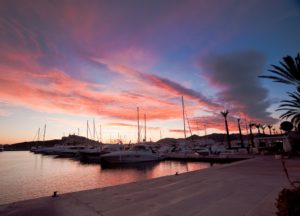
(129,157)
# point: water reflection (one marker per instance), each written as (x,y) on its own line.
(25,175)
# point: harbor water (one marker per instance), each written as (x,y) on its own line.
(25,175)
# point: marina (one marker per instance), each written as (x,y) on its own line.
(247,187)
(25,175)
(149,108)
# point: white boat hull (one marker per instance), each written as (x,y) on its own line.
(129,157)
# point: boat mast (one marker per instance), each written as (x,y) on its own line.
(38,138)
(44,133)
(183,117)
(145,139)
(87,129)
(189,126)
(94,128)
(100,135)
(138,124)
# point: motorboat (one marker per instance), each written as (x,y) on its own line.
(138,153)
(94,153)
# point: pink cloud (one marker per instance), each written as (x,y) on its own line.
(216,121)
(162,84)
(55,91)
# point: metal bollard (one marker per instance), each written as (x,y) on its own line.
(55,194)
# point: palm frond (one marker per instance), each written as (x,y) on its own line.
(288,72)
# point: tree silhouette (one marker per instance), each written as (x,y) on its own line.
(258,128)
(263,128)
(240,132)
(224,114)
(292,108)
(270,127)
(288,73)
(251,134)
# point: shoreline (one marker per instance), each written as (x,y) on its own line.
(247,187)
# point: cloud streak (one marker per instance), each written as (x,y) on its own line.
(163,84)
(55,91)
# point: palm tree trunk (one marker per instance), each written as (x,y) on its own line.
(227,133)
(251,137)
(241,136)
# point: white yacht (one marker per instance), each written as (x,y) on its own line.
(94,153)
(138,153)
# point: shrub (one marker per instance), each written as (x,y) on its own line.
(288,202)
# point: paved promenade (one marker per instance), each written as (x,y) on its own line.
(243,188)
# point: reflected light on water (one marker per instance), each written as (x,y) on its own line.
(25,175)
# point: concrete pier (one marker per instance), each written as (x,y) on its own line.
(243,188)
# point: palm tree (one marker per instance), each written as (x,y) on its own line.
(270,127)
(288,73)
(258,128)
(251,134)
(263,128)
(292,108)
(240,132)
(224,114)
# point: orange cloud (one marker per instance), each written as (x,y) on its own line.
(56,91)
(118,124)
(217,122)
(177,131)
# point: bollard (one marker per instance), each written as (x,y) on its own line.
(55,194)
(176,173)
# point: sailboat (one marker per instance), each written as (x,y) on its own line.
(182,150)
(136,154)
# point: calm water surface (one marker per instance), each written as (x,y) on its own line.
(24,175)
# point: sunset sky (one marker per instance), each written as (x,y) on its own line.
(63,62)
